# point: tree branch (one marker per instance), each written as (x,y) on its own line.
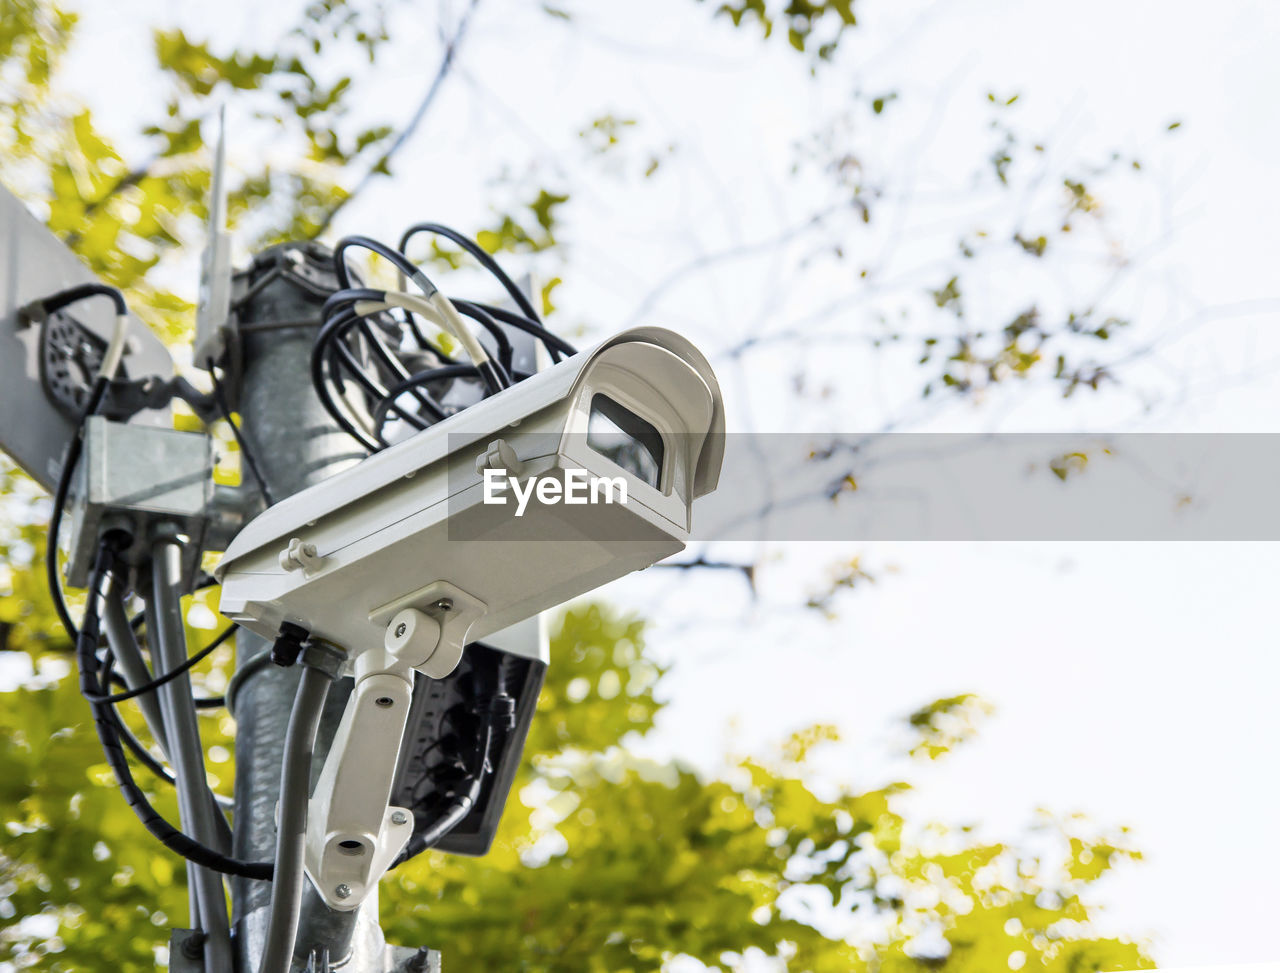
(748,571)
(383,163)
(739,252)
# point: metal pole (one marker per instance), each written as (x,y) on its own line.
(186,752)
(296,445)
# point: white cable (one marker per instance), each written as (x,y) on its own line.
(115,348)
(366,308)
(440,311)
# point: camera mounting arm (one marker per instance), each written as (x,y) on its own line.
(353,833)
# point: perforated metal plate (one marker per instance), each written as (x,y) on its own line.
(70,356)
(442,733)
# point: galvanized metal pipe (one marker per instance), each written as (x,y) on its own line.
(297,445)
(169,643)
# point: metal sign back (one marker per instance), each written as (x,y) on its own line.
(35,264)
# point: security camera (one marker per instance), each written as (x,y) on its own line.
(607,450)
(576,476)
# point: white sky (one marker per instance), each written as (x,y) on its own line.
(1133,681)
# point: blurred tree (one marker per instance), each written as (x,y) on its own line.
(604,861)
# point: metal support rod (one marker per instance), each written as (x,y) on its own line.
(296,444)
(193,884)
(187,753)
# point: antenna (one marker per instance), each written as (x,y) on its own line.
(213,310)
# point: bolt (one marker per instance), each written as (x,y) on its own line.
(419,961)
(443,605)
(399,817)
(401,629)
(384,701)
(193,946)
(343,891)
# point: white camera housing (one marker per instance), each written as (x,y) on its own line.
(405,558)
(411,554)
(410,528)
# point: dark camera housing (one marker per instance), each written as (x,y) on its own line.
(438,752)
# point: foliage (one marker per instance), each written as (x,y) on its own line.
(604,861)
(82,885)
(27,621)
(813,27)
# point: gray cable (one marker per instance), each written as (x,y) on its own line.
(128,656)
(124,645)
(243,671)
(295,787)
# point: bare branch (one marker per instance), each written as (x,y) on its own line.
(748,571)
(382,166)
(724,256)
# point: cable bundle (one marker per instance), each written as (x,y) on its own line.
(372,362)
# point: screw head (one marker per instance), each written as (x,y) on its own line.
(443,605)
(399,817)
(401,629)
(343,891)
(383,701)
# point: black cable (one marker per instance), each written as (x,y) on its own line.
(137,747)
(56,302)
(352,389)
(493,376)
(478,314)
(388,402)
(346,298)
(331,336)
(530,320)
(481,255)
(500,709)
(104,723)
(422,840)
(433,375)
(255,663)
(319,350)
(401,262)
(385,356)
(169,676)
(374,389)
(411,322)
(249,461)
(131,741)
(553,342)
(60,494)
(202,702)
(383,353)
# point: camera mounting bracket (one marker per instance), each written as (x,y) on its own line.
(353,832)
